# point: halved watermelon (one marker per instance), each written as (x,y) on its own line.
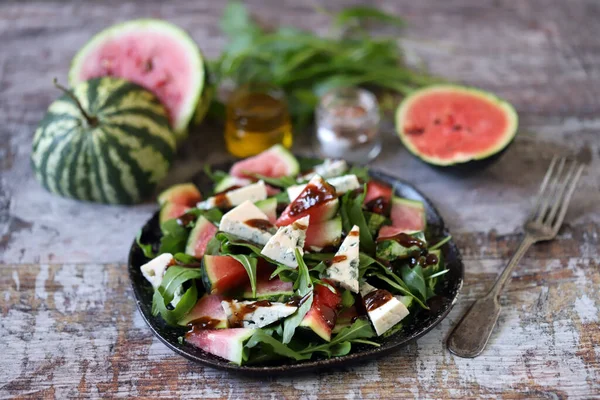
(154,54)
(318,200)
(275,162)
(269,207)
(225,343)
(184,193)
(378,197)
(448,124)
(407,216)
(222,274)
(207,313)
(323,313)
(203,232)
(324,234)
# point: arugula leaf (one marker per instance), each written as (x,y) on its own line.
(308,163)
(400,288)
(228,240)
(249,264)
(174,237)
(303,287)
(361,172)
(273,345)
(185,304)
(375,221)
(285,273)
(360,329)
(414,279)
(216,176)
(174,278)
(146,248)
(352,214)
(214,215)
(358,14)
(347,299)
(440,243)
(186,259)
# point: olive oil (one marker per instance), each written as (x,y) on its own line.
(257,118)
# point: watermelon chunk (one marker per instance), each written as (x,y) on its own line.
(154,54)
(318,200)
(324,234)
(269,207)
(270,289)
(225,343)
(322,315)
(275,162)
(346,317)
(171,211)
(203,232)
(183,193)
(223,274)
(207,313)
(407,216)
(378,197)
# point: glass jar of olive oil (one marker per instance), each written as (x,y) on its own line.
(257,118)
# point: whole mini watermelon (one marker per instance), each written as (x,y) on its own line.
(108,141)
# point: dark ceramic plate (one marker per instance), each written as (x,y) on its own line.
(415,325)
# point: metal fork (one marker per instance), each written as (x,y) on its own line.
(470,336)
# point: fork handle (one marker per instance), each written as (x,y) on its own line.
(470,336)
(514,261)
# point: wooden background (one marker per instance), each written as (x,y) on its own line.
(69,326)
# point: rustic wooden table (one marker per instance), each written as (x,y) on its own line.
(69,326)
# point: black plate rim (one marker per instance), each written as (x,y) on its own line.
(309,365)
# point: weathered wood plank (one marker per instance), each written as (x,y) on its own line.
(74,330)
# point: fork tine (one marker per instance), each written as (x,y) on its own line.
(566,200)
(560,191)
(542,188)
(552,184)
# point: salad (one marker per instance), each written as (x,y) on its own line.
(290,259)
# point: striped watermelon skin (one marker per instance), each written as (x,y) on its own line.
(119,159)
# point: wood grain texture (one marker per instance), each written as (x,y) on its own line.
(69,327)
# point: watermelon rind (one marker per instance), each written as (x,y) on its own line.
(508,135)
(193,108)
(118,159)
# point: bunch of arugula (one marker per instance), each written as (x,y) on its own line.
(306,65)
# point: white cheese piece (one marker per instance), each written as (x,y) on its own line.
(281,247)
(154,271)
(386,315)
(234,222)
(328,169)
(254,192)
(345,271)
(342,184)
(345,183)
(294,191)
(249,315)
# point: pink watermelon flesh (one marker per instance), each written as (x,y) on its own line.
(266,287)
(406,216)
(223,274)
(318,200)
(272,191)
(171,211)
(202,233)
(268,163)
(183,193)
(207,312)
(225,343)
(152,59)
(322,315)
(323,234)
(444,123)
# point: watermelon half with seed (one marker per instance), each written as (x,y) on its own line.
(449,124)
(155,54)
